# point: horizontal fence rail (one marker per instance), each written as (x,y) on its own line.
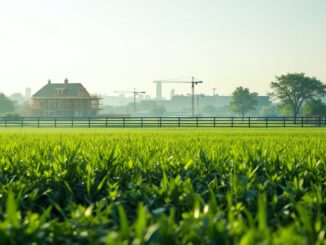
(161,122)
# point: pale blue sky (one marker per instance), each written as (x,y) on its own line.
(117,45)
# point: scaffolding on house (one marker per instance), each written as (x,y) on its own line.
(66,106)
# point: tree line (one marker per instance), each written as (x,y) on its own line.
(292,92)
(6,105)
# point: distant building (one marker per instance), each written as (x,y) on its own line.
(64,99)
(172,93)
(28,93)
(159,91)
(181,104)
(216,100)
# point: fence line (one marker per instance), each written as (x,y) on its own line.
(161,122)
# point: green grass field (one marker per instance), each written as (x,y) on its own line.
(163,186)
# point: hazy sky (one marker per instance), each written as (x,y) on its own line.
(118,45)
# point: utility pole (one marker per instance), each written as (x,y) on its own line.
(193,96)
(214,89)
(134,101)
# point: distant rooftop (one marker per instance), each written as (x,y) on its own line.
(62,90)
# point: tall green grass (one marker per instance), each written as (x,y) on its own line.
(163,186)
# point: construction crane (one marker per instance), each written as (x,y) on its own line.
(197,96)
(193,83)
(135,92)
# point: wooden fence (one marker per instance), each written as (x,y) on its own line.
(160,122)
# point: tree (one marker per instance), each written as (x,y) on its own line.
(243,101)
(293,89)
(6,105)
(314,107)
(269,111)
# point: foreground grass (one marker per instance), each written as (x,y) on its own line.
(163,186)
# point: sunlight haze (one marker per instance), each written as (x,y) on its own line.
(119,45)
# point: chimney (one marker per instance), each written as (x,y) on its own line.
(66,81)
(49,81)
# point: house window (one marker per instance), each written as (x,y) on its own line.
(59,92)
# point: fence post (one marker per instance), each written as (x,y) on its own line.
(106,122)
(301,121)
(249,121)
(124,122)
(22,122)
(141,122)
(266,122)
(179,124)
(55,122)
(214,122)
(89,122)
(72,122)
(284,122)
(160,122)
(5,122)
(197,122)
(38,122)
(232,122)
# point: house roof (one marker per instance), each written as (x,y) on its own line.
(67,90)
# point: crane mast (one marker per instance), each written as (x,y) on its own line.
(135,93)
(193,83)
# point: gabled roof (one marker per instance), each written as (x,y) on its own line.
(67,90)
